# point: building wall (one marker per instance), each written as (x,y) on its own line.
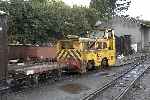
(145,36)
(128,26)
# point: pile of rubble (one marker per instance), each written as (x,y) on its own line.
(123,60)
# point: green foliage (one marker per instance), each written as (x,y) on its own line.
(32,21)
(107,8)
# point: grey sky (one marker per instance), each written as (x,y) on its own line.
(137,8)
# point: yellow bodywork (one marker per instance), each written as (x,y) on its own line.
(87,49)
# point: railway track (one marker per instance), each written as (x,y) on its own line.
(119,87)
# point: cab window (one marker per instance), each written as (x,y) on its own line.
(104,45)
(100,45)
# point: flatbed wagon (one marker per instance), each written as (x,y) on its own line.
(36,68)
(28,75)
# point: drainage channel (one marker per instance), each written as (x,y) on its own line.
(117,88)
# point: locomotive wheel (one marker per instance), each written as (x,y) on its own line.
(104,63)
(91,65)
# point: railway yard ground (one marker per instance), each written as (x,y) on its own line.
(73,86)
(141,91)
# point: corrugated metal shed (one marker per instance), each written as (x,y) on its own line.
(3,46)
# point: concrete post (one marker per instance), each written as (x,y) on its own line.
(3,46)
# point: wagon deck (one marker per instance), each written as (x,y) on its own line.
(37,68)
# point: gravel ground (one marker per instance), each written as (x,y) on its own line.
(141,91)
(69,89)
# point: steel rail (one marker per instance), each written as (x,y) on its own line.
(122,94)
(94,94)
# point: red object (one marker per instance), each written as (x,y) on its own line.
(16,52)
(73,63)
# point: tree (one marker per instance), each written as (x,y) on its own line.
(107,8)
(19,17)
(26,21)
(32,21)
(77,21)
(122,6)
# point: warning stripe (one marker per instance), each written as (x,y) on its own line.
(58,53)
(79,54)
(67,55)
(76,55)
(61,54)
(64,56)
(72,54)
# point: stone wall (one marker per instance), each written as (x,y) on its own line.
(128,26)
